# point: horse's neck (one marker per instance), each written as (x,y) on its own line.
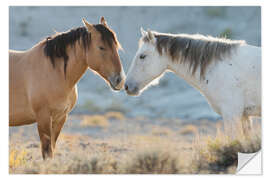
(182,70)
(76,65)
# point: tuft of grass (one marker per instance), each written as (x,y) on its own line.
(115,115)
(226,33)
(17,158)
(189,130)
(153,162)
(95,165)
(220,154)
(95,121)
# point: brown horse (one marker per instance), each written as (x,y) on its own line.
(42,80)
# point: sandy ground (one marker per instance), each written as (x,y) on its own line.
(111,138)
(112,143)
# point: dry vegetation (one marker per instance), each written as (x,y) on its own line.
(162,150)
(95,121)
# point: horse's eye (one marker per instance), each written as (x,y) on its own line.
(142,56)
(101,48)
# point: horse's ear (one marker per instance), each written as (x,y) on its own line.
(90,28)
(151,36)
(103,21)
(143,32)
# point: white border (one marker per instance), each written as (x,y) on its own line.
(4,75)
(4,92)
(139,2)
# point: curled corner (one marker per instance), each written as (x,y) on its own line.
(249,163)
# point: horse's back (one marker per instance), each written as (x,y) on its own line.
(15,58)
(250,77)
(239,75)
(250,66)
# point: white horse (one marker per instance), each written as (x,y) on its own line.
(226,72)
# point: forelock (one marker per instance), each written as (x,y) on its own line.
(108,35)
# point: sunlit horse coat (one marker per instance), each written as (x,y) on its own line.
(226,72)
(42,80)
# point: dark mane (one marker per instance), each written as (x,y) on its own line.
(197,51)
(56,45)
(108,36)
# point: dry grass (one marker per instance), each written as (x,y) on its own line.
(153,153)
(96,165)
(115,115)
(153,162)
(95,121)
(219,154)
(189,129)
(17,158)
(161,131)
(101,121)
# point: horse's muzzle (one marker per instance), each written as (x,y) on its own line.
(117,82)
(131,88)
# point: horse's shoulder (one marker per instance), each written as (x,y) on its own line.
(74,94)
(73,97)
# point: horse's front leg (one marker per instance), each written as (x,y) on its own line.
(57,127)
(232,126)
(232,117)
(44,123)
(238,124)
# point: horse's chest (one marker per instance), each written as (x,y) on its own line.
(60,109)
(214,105)
(64,106)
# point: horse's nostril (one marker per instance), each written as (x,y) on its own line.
(126,87)
(118,80)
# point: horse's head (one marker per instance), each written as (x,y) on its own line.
(146,66)
(102,56)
